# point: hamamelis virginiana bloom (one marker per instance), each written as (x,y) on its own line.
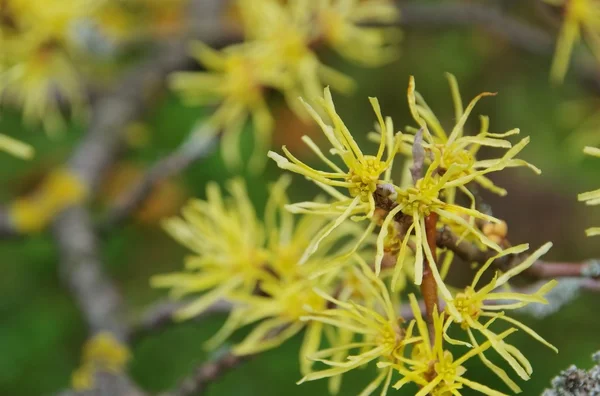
(480,306)
(417,203)
(339,22)
(37,56)
(581,17)
(255,266)
(456,148)
(359,176)
(432,367)
(286,34)
(591,197)
(288,293)
(276,315)
(235,80)
(381,333)
(102,353)
(227,240)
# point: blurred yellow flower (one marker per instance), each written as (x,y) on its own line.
(37,65)
(103,352)
(375,322)
(255,266)
(227,240)
(340,23)
(60,189)
(235,81)
(580,17)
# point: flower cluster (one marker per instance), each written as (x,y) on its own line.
(254,265)
(337,267)
(450,164)
(37,59)
(279,53)
(47,45)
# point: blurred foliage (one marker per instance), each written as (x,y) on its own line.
(41,331)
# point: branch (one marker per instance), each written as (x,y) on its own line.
(81,270)
(207,373)
(199,145)
(80,265)
(588,270)
(428,285)
(159,316)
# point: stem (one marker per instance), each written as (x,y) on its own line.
(428,286)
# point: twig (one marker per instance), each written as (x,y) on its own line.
(197,146)
(429,285)
(160,315)
(80,265)
(81,270)
(587,271)
(207,373)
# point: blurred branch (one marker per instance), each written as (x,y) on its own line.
(80,265)
(108,384)
(81,269)
(588,270)
(207,373)
(199,145)
(160,315)
(519,34)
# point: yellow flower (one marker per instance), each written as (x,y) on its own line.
(227,240)
(254,266)
(458,149)
(417,203)
(340,20)
(279,313)
(34,79)
(432,367)
(38,47)
(377,324)
(61,189)
(101,353)
(484,303)
(360,179)
(235,81)
(591,197)
(581,16)
(286,34)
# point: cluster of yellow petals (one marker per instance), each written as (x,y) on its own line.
(235,255)
(37,58)
(279,53)
(102,353)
